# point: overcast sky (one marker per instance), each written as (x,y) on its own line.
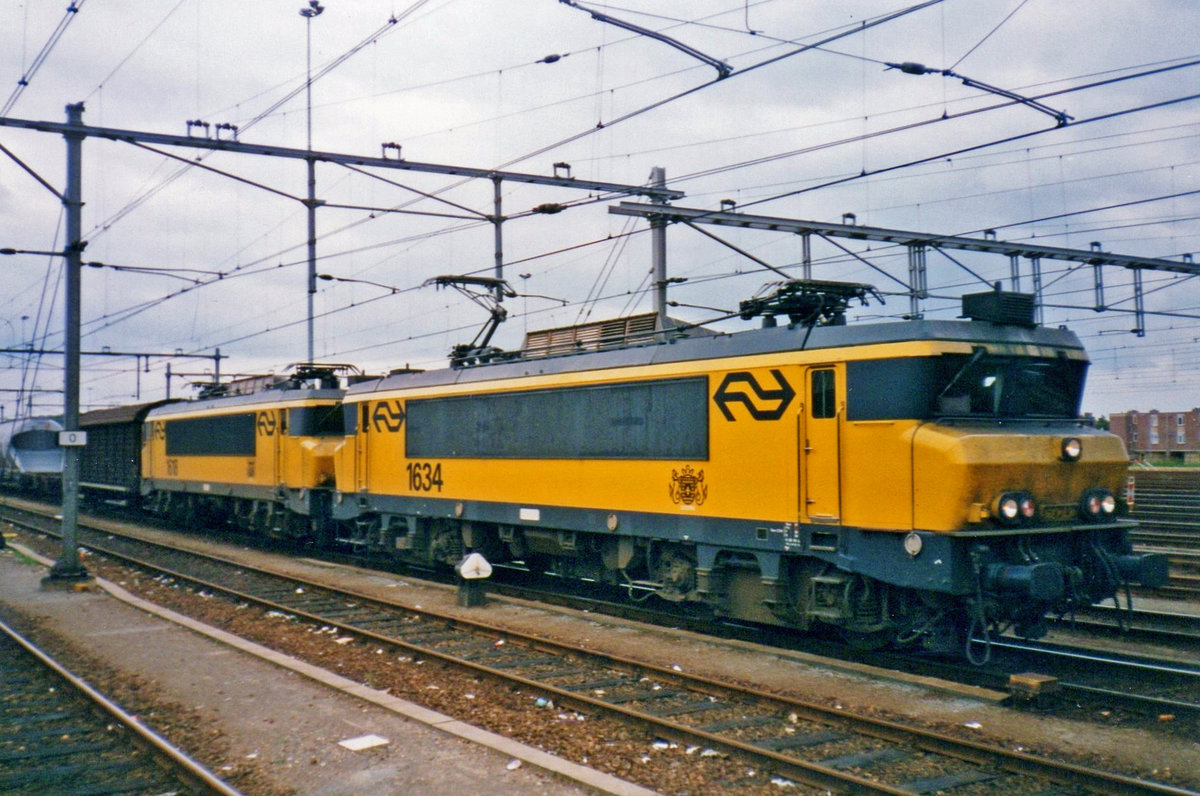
(466,82)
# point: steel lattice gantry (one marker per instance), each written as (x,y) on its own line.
(919,243)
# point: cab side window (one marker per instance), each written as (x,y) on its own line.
(823,401)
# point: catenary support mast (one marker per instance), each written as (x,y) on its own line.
(69,568)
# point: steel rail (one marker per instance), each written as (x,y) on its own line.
(971,752)
(186,768)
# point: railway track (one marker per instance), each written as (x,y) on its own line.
(801,742)
(1166,504)
(58,735)
(1167,499)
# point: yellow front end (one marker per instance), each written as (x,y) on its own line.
(960,471)
(308,462)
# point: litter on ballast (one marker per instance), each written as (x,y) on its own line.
(363,742)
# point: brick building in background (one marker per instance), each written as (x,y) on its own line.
(1159,436)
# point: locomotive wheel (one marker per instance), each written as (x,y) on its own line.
(676,571)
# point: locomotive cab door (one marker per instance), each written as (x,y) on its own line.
(820,465)
(362,443)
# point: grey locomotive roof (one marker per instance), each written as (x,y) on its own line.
(272,397)
(739,344)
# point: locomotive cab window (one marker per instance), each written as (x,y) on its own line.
(979,384)
(824,394)
(316,421)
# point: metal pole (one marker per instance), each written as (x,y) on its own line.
(917,279)
(1139,304)
(658,253)
(498,225)
(1035,268)
(806,254)
(69,569)
(311,204)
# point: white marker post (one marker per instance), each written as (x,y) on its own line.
(473,572)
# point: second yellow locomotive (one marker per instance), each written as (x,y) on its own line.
(262,461)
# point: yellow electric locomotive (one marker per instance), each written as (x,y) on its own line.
(917,482)
(261,461)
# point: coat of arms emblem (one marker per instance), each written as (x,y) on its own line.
(688,487)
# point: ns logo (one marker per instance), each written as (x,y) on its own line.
(388,416)
(760,401)
(266,423)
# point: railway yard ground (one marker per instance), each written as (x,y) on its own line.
(274,729)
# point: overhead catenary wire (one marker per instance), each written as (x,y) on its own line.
(683,179)
(989,34)
(865,25)
(391,24)
(976,147)
(132,52)
(892,16)
(384,245)
(42,55)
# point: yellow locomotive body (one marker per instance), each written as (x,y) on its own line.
(263,461)
(900,481)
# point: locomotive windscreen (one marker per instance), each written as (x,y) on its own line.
(964,385)
(316,421)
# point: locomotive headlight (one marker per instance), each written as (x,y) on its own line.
(1008,508)
(1014,508)
(1097,504)
(1072,448)
(1028,507)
